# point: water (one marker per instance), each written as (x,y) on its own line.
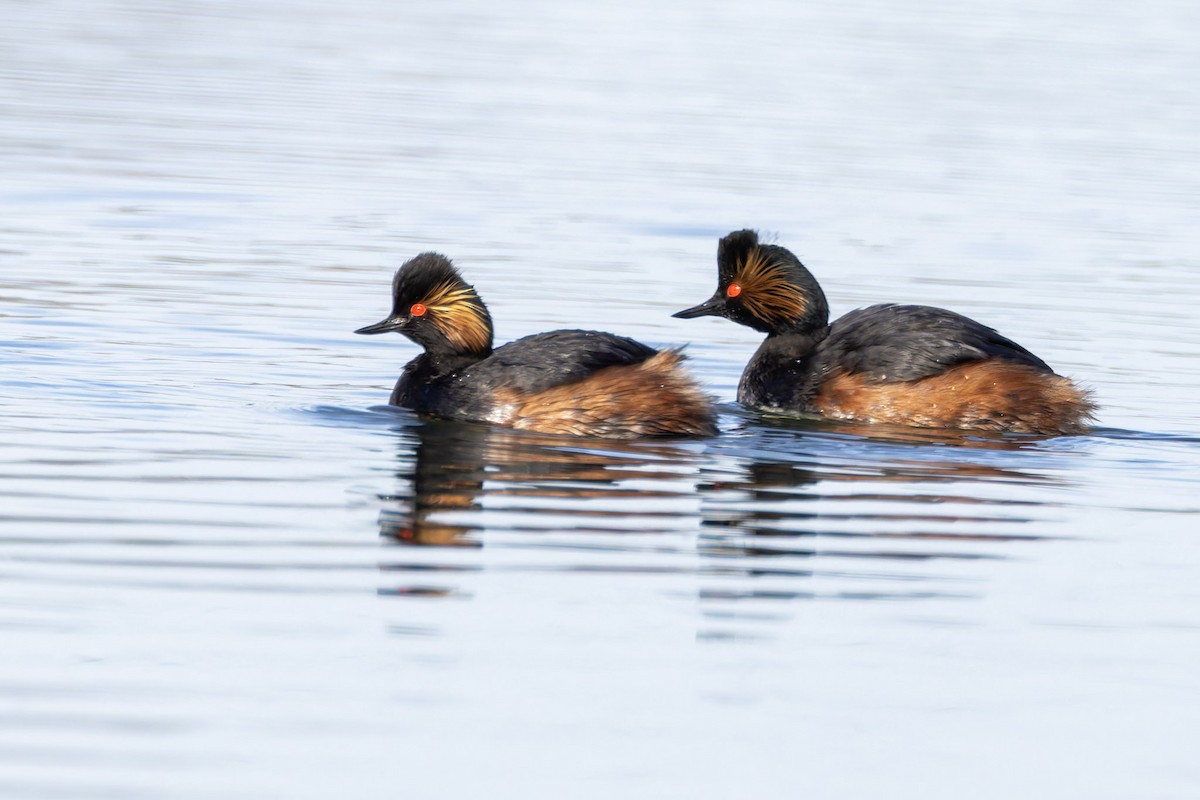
(226,571)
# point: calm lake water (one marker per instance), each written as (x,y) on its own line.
(227,571)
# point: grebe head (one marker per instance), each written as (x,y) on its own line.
(763,286)
(436,308)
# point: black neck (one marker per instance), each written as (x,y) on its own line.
(422,374)
(445,362)
(776,376)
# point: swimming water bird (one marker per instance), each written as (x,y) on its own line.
(900,364)
(566,382)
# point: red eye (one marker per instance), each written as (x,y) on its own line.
(418,310)
(733,291)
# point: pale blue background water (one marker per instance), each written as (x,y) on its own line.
(199,202)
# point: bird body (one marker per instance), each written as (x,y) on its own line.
(566,381)
(900,364)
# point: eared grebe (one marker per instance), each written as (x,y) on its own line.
(907,365)
(571,382)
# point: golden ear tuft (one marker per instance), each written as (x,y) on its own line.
(765,290)
(457,311)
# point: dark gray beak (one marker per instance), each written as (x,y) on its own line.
(383,326)
(712,307)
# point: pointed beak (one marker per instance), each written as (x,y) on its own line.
(711,307)
(383,326)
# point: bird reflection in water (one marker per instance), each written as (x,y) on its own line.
(867,492)
(777,507)
(456,465)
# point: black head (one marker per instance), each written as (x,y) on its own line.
(436,308)
(763,286)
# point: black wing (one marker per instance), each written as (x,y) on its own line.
(545,360)
(904,343)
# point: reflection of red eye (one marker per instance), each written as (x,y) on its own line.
(418,310)
(733,291)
